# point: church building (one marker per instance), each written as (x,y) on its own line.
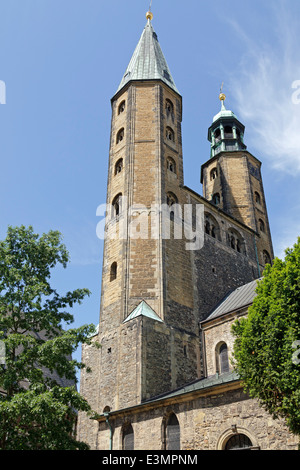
(178,269)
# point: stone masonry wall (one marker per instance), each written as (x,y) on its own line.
(205,424)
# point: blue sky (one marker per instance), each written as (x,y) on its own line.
(63,60)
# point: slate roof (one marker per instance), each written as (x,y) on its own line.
(148,61)
(239,298)
(202,384)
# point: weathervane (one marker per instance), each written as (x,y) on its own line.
(149,14)
(222,96)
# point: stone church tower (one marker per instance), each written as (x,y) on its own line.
(145,143)
(158,285)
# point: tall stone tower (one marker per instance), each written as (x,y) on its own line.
(158,282)
(232,180)
(148,326)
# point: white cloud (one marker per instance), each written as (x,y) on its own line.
(287,238)
(266,90)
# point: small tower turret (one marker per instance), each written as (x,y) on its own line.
(232,179)
(226,132)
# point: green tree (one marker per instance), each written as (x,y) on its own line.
(267,341)
(36,412)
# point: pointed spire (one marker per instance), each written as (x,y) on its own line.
(148,61)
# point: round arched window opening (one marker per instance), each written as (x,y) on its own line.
(121,108)
(262,227)
(213,174)
(216,199)
(257,198)
(171,165)
(266,258)
(169,106)
(120,135)
(172,433)
(238,442)
(119,166)
(113,271)
(170,135)
(117,205)
(217,135)
(128,437)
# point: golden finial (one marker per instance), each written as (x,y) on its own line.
(149,15)
(222,96)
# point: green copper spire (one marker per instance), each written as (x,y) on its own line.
(148,61)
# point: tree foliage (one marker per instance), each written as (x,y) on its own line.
(267,342)
(36,412)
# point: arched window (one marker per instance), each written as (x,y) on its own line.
(172,433)
(117,205)
(213,174)
(216,199)
(171,165)
(217,135)
(113,271)
(171,201)
(222,358)
(119,166)
(257,197)
(121,107)
(128,438)
(236,241)
(266,258)
(120,135)
(170,134)
(262,226)
(169,107)
(212,227)
(238,442)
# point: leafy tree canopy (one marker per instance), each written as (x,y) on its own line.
(36,411)
(267,342)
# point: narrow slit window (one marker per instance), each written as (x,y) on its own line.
(113,271)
